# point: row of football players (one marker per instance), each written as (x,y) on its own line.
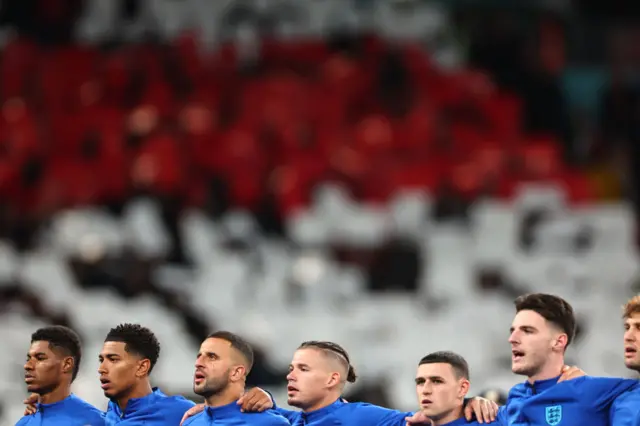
(543,327)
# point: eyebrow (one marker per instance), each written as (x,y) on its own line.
(208,353)
(523,327)
(299,365)
(423,379)
(109,355)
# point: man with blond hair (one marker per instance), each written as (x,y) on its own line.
(625,410)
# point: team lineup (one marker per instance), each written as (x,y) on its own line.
(542,329)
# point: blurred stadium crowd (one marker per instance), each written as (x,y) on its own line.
(384,174)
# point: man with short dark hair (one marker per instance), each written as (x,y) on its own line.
(318,373)
(543,327)
(222,366)
(52,365)
(128,356)
(442,383)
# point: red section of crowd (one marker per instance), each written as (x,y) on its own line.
(82,126)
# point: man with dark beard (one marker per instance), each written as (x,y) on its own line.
(222,366)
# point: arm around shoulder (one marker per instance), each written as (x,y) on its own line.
(379,416)
(625,410)
(603,391)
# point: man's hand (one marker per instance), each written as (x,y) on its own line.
(484,410)
(192,412)
(418,419)
(255,400)
(570,373)
(30,403)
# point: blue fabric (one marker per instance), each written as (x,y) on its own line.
(462,421)
(153,409)
(582,401)
(625,410)
(231,415)
(342,413)
(71,411)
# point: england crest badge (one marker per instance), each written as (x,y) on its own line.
(553,415)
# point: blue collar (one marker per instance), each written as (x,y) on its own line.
(137,404)
(542,385)
(55,406)
(311,416)
(224,411)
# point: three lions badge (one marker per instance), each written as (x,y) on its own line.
(553,415)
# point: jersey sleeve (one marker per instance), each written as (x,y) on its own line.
(272,418)
(501,418)
(174,412)
(601,392)
(379,416)
(23,421)
(625,410)
(290,415)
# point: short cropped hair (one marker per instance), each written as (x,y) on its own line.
(63,339)
(631,307)
(552,308)
(137,340)
(457,362)
(237,343)
(336,350)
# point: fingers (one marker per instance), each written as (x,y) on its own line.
(468,411)
(570,373)
(32,399)
(478,411)
(483,410)
(256,400)
(489,411)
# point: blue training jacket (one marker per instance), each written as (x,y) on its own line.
(342,413)
(71,411)
(582,401)
(625,410)
(153,409)
(231,415)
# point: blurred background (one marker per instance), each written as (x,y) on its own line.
(384,174)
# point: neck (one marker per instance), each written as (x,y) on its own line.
(59,393)
(449,417)
(141,390)
(225,397)
(324,402)
(551,369)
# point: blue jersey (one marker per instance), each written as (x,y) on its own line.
(347,413)
(582,401)
(625,410)
(71,411)
(462,421)
(231,415)
(153,409)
